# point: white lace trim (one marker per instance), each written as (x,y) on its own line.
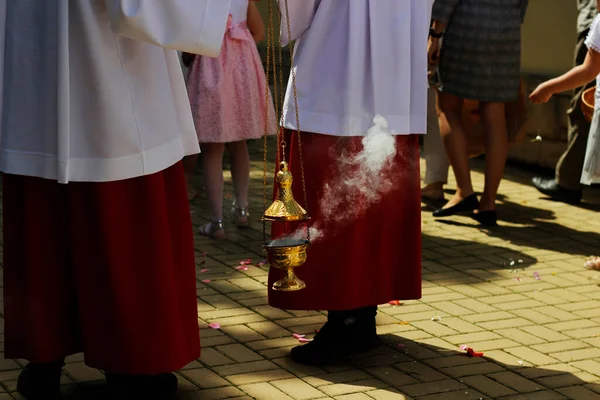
(592,41)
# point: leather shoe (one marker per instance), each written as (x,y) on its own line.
(550,187)
(486,218)
(468,204)
(41,381)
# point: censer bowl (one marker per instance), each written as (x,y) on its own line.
(287,254)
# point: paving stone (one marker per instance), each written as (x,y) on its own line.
(204,378)
(264,391)
(297,389)
(353,387)
(436,387)
(578,393)
(515,382)
(541,339)
(488,386)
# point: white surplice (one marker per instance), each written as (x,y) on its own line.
(92,90)
(591,166)
(356,59)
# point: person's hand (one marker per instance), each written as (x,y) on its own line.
(433,50)
(541,94)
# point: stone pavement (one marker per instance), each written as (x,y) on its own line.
(540,337)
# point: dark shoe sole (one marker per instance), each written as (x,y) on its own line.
(305,355)
(486,218)
(466,205)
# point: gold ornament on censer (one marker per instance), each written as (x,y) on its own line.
(285,207)
(286,253)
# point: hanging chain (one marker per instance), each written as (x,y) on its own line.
(266,111)
(282,90)
(278,97)
(289,33)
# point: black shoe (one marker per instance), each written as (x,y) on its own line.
(147,387)
(486,218)
(550,187)
(468,204)
(346,333)
(41,381)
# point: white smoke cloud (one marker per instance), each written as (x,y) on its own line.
(361,180)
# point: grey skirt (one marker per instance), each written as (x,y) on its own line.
(481,49)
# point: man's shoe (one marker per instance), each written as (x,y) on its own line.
(346,333)
(550,187)
(41,381)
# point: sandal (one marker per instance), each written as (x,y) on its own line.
(241,216)
(213,230)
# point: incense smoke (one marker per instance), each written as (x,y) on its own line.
(362,179)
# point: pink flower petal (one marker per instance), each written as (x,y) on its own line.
(214,326)
(298,336)
(204,270)
(536,275)
(246,262)
(206,280)
(400,346)
(464,347)
(395,303)
(304,340)
(262,262)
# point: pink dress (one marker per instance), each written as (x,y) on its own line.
(227,94)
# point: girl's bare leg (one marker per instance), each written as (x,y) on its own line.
(496,150)
(455,142)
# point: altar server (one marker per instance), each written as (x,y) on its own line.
(355,60)
(98,243)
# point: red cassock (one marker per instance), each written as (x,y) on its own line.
(103,268)
(369,259)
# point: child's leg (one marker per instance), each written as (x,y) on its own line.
(211,160)
(240,171)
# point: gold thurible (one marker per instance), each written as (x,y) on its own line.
(286,252)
